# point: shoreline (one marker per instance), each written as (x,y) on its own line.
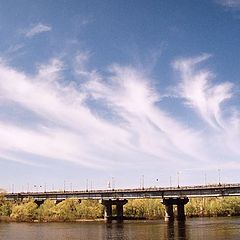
(6,219)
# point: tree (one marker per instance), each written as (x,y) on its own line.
(24,211)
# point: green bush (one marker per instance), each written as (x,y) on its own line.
(24,211)
(72,209)
(89,209)
(144,208)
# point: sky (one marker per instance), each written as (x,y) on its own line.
(120,94)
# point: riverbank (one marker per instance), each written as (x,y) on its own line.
(70,210)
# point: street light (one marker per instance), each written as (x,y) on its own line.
(156,183)
(87,185)
(219,176)
(91,184)
(64,185)
(113,183)
(178,174)
(35,188)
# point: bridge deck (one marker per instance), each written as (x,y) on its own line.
(170,192)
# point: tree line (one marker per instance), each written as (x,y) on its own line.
(72,209)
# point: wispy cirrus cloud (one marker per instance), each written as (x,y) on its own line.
(114,119)
(199,91)
(37,29)
(234,4)
(206,98)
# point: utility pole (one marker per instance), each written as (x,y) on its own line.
(219,176)
(178,179)
(87,185)
(113,183)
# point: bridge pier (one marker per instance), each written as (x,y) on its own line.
(169,202)
(180,209)
(57,201)
(119,208)
(38,202)
(108,209)
(169,216)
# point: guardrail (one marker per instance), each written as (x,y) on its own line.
(153,192)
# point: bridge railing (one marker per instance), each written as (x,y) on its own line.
(134,190)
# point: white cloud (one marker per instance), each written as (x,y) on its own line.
(206,98)
(37,29)
(200,93)
(69,124)
(230,3)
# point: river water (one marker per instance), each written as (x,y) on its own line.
(198,228)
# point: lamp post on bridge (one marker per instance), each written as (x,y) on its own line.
(219,176)
(87,185)
(113,183)
(35,188)
(178,173)
(156,183)
(142,181)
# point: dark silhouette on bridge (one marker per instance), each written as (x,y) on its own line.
(169,196)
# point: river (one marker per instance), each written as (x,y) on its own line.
(197,228)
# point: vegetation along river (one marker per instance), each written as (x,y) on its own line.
(193,228)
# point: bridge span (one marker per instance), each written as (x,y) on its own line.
(169,196)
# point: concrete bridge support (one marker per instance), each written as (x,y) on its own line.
(108,209)
(180,209)
(39,202)
(169,202)
(119,209)
(58,201)
(169,215)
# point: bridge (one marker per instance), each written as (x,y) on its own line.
(169,196)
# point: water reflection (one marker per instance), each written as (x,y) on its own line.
(176,230)
(211,229)
(181,230)
(144,230)
(170,230)
(115,231)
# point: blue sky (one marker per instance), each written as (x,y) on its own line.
(99,91)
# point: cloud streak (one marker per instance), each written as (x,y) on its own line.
(234,4)
(114,119)
(37,29)
(200,93)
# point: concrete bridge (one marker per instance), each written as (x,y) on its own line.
(169,196)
